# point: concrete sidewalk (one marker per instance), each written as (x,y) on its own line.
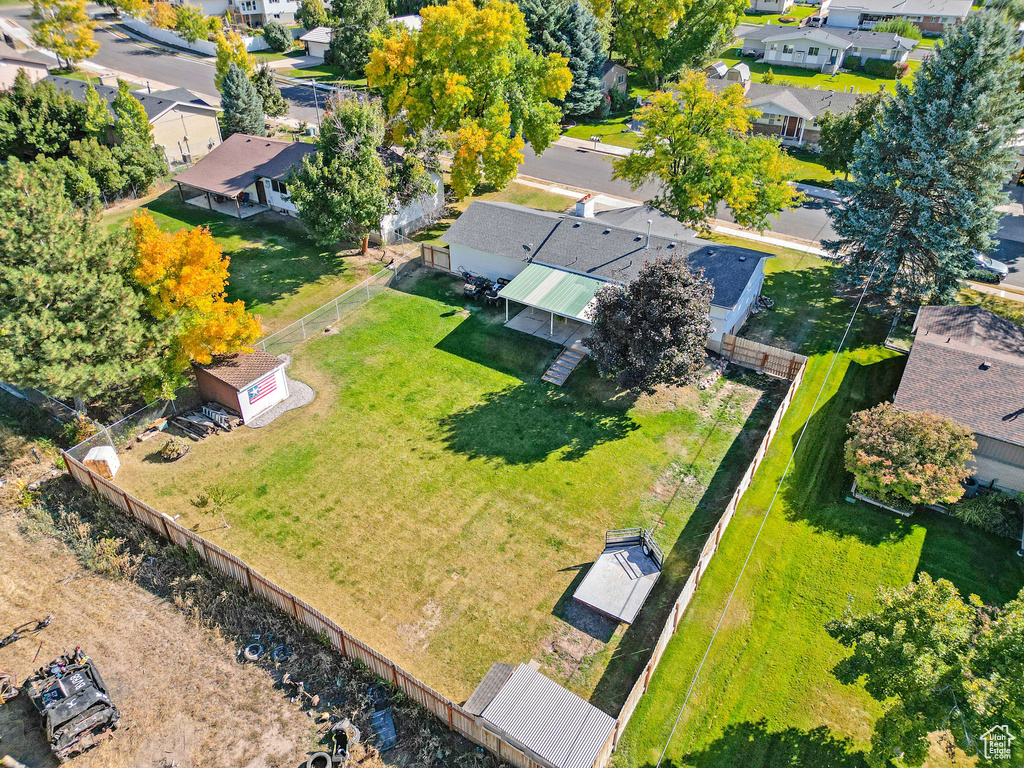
(591,146)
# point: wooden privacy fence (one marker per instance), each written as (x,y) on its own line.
(446,710)
(710,547)
(761,357)
(435,256)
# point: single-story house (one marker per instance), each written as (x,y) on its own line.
(789,112)
(247,175)
(184,126)
(614,77)
(246,382)
(502,240)
(552,725)
(11,62)
(317,41)
(927,15)
(770,6)
(816,48)
(967,364)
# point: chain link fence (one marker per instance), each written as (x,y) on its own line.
(43,402)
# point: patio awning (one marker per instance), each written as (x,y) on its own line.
(553,290)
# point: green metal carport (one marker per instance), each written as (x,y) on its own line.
(554,291)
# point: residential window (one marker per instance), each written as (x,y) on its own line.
(775,46)
(622,79)
(812,51)
(280,187)
(787,48)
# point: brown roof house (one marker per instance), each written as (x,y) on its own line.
(968,364)
(247,382)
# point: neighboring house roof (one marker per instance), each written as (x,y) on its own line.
(488,688)
(23,57)
(904,7)
(610,66)
(596,247)
(242,368)
(184,96)
(237,162)
(551,722)
(318,35)
(968,364)
(837,38)
(413,21)
(812,101)
(154,104)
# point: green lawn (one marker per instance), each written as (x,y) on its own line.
(324,73)
(809,168)
(442,503)
(263,56)
(1009,309)
(768,696)
(797,12)
(612,130)
(275,268)
(810,78)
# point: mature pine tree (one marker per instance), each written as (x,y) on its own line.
(37,119)
(243,107)
(274,104)
(71,322)
(579,30)
(927,180)
(544,20)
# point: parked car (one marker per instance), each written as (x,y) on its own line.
(989,269)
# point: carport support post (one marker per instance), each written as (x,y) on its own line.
(552,323)
(238,208)
(209,201)
(181,195)
(506,310)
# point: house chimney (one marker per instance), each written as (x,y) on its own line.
(647,244)
(585,207)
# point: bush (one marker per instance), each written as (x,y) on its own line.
(174,448)
(881,68)
(620,102)
(919,457)
(995,512)
(901,27)
(851,62)
(277,37)
(79,429)
(902,70)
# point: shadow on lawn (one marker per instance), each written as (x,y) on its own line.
(818,481)
(634,650)
(800,294)
(576,614)
(752,745)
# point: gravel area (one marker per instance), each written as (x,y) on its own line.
(299,394)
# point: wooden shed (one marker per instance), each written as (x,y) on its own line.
(248,382)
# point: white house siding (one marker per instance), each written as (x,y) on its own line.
(250,410)
(486,264)
(274,199)
(414,216)
(1007,477)
(843,19)
(770,6)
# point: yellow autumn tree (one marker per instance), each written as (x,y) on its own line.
(184,275)
(470,73)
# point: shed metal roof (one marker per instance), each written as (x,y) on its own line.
(549,721)
(553,290)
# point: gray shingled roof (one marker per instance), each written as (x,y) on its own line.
(183,96)
(242,368)
(488,688)
(29,57)
(552,723)
(905,7)
(154,104)
(590,246)
(968,364)
(816,101)
(236,163)
(845,38)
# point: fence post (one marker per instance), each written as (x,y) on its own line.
(337,309)
(394,673)
(367,290)
(303,324)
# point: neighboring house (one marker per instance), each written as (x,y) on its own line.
(789,112)
(500,240)
(253,13)
(968,364)
(770,6)
(12,61)
(317,41)
(614,77)
(247,175)
(815,48)
(184,125)
(927,15)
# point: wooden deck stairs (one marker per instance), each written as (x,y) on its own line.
(564,364)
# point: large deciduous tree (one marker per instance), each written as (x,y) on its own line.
(64,27)
(652,331)
(696,146)
(38,119)
(312,14)
(184,276)
(351,39)
(242,105)
(470,73)
(71,320)
(141,161)
(939,665)
(928,179)
(841,132)
(342,191)
(902,455)
(702,31)
(231,50)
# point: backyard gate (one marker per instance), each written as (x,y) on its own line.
(761,357)
(437,257)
